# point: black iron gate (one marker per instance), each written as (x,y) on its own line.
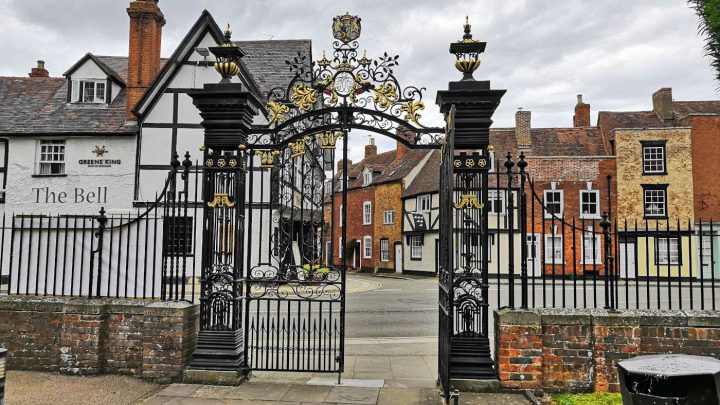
(282,282)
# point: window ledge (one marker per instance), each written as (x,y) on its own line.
(655,173)
(49,175)
(650,218)
(556,263)
(590,216)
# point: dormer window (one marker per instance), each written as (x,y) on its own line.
(89,91)
(367,177)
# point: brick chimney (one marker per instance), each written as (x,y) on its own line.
(146,22)
(400,150)
(662,103)
(340,165)
(582,113)
(40,70)
(371,148)
(522,129)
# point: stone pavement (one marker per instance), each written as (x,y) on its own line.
(383,371)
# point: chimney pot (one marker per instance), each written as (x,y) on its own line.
(371,149)
(582,113)
(40,70)
(340,164)
(522,128)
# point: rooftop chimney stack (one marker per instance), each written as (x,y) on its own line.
(522,129)
(582,113)
(340,165)
(40,70)
(370,149)
(662,103)
(146,22)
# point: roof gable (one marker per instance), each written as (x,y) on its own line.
(204,25)
(100,64)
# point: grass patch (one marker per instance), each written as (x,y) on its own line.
(596,398)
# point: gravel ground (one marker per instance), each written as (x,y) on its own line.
(29,387)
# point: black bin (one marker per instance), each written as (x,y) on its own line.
(675,379)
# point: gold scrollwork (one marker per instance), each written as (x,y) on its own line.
(221,200)
(468,201)
(277,111)
(209,163)
(304,97)
(385,95)
(298,147)
(328,139)
(328,87)
(411,111)
(457,163)
(267,157)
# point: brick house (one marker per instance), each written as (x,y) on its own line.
(662,160)
(374,207)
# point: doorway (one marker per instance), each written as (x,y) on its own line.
(398,257)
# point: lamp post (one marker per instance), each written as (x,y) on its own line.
(3,360)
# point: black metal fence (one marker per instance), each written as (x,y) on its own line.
(542,257)
(148,253)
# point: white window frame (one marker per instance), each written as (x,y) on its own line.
(664,202)
(384,250)
(388,217)
(664,257)
(597,204)
(653,160)
(548,214)
(421,200)
(549,253)
(705,251)
(416,249)
(367,247)
(367,213)
(80,86)
(340,216)
(340,248)
(495,195)
(49,153)
(367,177)
(587,237)
(328,187)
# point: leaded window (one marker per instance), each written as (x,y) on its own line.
(52,157)
(667,251)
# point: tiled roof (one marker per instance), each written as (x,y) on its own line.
(39,106)
(265,60)
(684,108)
(584,141)
(428,181)
(610,120)
(119,64)
(355,171)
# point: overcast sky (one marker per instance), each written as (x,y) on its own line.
(614,52)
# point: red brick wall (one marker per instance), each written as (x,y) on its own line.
(571,175)
(705,150)
(578,350)
(152,340)
(355,227)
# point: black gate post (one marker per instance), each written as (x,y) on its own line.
(465,348)
(227,110)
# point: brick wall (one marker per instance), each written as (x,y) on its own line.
(705,149)
(567,350)
(152,340)
(356,229)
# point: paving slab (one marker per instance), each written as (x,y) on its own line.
(409,367)
(193,401)
(347,382)
(313,393)
(259,391)
(411,383)
(354,395)
(394,396)
(179,390)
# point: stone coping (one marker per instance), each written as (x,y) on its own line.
(89,306)
(603,317)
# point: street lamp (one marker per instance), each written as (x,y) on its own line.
(3,359)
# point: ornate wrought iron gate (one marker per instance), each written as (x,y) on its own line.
(273,195)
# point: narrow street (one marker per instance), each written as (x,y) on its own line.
(404,307)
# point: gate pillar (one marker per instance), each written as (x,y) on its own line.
(468,105)
(227,110)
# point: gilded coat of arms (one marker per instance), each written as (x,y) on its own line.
(346,27)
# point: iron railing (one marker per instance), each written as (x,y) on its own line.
(146,254)
(545,259)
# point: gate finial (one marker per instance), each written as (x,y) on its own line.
(467,51)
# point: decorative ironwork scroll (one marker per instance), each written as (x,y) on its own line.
(345,91)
